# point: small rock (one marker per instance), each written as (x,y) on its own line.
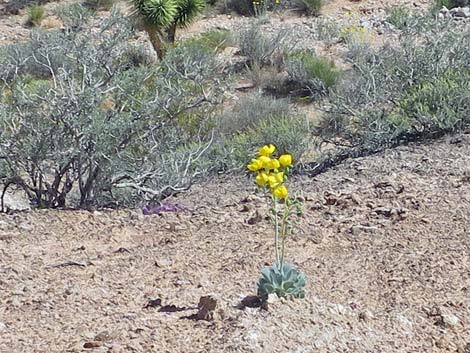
(366,316)
(103,336)
(272,298)
(206,306)
(358,229)
(16,202)
(230,51)
(93,344)
(3,326)
(463,12)
(384,211)
(25,227)
(450,320)
(252,301)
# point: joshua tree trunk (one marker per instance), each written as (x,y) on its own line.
(156,40)
(171,33)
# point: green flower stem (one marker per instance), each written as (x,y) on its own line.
(285,216)
(276,229)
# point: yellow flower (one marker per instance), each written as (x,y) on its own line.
(265,161)
(279,177)
(272,181)
(261,179)
(280,192)
(285,160)
(255,165)
(275,179)
(266,150)
(273,164)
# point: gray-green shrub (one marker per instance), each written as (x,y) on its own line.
(416,88)
(262,49)
(250,111)
(255,121)
(74,15)
(98,131)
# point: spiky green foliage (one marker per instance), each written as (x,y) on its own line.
(284,281)
(35,15)
(158,13)
(187,10)
(162,17)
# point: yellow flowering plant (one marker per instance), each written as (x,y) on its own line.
(271,173)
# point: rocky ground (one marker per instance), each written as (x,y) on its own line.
(384,242)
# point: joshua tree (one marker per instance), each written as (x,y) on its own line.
(161,18)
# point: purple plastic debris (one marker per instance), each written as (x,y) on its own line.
(163,207)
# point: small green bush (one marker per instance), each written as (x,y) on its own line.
(213,41)
(398,16)
(35,15)
(218,39)
(290,134)
(311,74)
(442,104)
(326,30)
(310,7)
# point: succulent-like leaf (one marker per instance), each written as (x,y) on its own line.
(284,281)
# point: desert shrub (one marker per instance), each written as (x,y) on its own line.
(441,104)
(311,75)
(398,16)
(35,15)
(73,15)
(31,58)
(218,39)
(266,78)
(100,132)
(450,4)
(250,111)
(310,7)
(326,30)
(262,49)
(99,4)
(289,133)
(417,88)
(212,41)
(137,55)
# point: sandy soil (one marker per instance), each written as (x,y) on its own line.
(384,242)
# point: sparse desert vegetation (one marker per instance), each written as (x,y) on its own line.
(128,222)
